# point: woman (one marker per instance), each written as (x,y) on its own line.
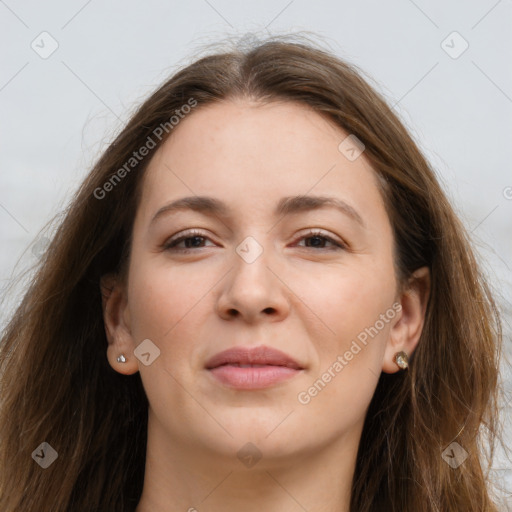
(260,299)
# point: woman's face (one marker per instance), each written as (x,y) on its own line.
(252,274)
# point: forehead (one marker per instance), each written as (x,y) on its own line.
(252,154)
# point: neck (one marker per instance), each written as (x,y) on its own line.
(192,478)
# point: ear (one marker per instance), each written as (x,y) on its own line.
(117,325)
(407,327)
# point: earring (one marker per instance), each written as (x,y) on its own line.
(121,359)
(402,360)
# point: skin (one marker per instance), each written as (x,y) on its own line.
(304,296)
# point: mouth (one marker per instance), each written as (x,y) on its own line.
(252,368)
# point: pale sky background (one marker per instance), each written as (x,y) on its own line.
(453,90)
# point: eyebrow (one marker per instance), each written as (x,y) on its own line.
(285,206)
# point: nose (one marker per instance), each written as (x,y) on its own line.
(254,291)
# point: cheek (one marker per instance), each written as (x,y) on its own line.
(165,307)
(356,304)
(347,299)
(349,363)
(162,300)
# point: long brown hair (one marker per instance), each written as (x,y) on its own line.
(56,384)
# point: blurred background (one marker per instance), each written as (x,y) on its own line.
(72,73)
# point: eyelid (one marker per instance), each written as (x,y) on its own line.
(338,243)
(311,232)
(183,235)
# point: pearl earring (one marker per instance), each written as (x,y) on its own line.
(121,359)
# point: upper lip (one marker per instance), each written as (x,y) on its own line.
(256,355)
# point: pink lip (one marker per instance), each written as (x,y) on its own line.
(271,366)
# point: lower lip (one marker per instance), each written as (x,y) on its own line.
(252,378)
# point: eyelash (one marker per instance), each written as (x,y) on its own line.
(171,244)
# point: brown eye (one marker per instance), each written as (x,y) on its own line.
(196,240)
(318,239)
(192,240)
